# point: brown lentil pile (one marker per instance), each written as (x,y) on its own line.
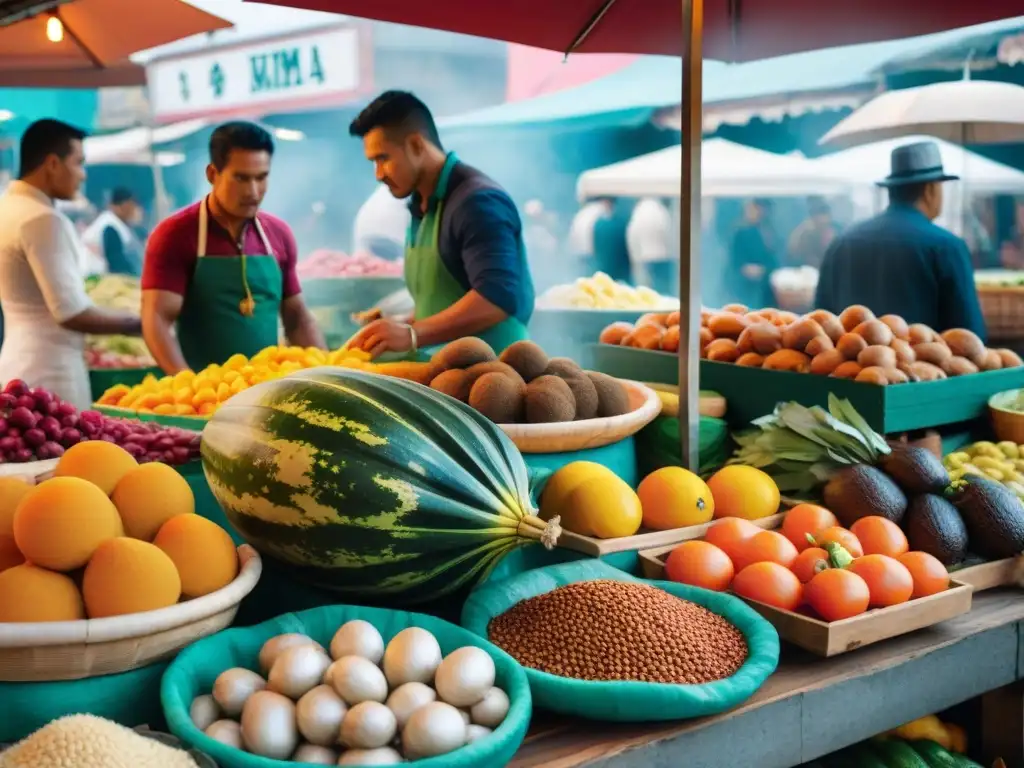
(616,630)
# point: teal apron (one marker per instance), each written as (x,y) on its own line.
(231,305)
(431,285)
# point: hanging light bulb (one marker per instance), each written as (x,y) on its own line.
(54,29)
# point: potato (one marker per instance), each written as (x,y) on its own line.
(787,360)
(851,345)
(738,309)
(1010,358)
(670,341)
(959,366)
(723,351)
(654,318)
(819,344)
(877,356)
(615,333)
(904,352)
(826,362)
(847,370)
(921,334)
(927,371)
(874,332)
(873,375)
(829,323)
(853,316)
(785,318)
(798,335)
(705,315)
(896,376)
(991,361)
(673,318)
(897,325)
(750,360)
(934,352)
(964,343)
(761,337)
(706,337)
(726,325)
(645,337)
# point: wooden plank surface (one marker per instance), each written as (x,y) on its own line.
(810,706)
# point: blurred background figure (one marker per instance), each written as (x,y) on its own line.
(1011,253)
(649,241)
(812,237)
(581,234)
(753,256)
(112,240)
(381,225)
(542,246)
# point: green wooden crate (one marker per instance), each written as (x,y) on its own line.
(102,379)
(194,423)
(754,392)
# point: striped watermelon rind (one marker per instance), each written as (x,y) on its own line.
(371,486)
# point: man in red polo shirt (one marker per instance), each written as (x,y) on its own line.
(219,274)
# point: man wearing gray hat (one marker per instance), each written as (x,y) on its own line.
(899,262)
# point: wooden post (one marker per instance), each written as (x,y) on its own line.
(689,232)
(1002,726)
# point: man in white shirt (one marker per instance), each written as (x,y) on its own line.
(649,241)
(46,310)
(381,225)
(581,233)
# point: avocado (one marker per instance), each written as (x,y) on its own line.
(994,517)
(933,525)
(915,470)
(860,491)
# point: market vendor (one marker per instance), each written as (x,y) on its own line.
(465,265)
(46,309)
(112,236)
(219,274)
(900,262)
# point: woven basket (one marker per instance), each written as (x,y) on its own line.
(72,650)
(1003,309)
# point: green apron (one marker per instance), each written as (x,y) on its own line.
(431,285)
(232,304)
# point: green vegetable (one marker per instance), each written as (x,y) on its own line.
(371,486)
(935,755)
(802,447)
(897,754)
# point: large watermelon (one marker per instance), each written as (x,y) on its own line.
(373,486)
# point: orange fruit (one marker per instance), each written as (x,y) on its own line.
(766,547)
(841,536)
(729,533)
(930,576)
(769,583)
(888,580)
(880,536)
(699,564)
(806,519)
(742,491)
(673,497)
(837,593)
(809,562)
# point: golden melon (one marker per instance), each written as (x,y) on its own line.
(12,491)
(129,576)
(30,593)
(62,521)
(10,555)
(150,495)
(201,550)
(99,462)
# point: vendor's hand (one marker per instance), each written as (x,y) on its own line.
(367,317)
(752,271)
(382,336)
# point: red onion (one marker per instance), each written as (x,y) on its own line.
(26,401)
(35,437)
(23,454)
(50,426)
(70,436)
(16,387)
(54,450)
(22,418)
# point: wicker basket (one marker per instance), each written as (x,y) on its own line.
(1007,421)
(1003,309)
(72,650)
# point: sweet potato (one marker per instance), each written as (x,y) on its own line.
(762,337)
(897,325)
(874,332)
(959,366)
(854,315)
(727,325)
(934,352)
(723,351)
(847,370)
(877,355)
(819,344)
(787,360)
(873,375)
(851,345)
(825,363)
(750,360)
(797,335)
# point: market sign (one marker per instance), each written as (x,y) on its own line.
(278,74)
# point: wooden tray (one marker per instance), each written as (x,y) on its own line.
(754,392)
(29,471)
(997,573)
(665,540)
(644,403)
(72,650)
(824,638)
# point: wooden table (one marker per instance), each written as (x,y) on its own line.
(810,706)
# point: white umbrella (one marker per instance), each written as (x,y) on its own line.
(727,170)
(962,111)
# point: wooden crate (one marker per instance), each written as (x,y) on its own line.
(645,539)
(997,573)
(824,638)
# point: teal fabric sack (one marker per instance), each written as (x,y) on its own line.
(620,457)
(192,674)
(631,701)
(130,698)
